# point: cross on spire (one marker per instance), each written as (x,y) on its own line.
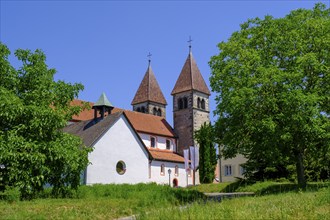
(189,41)
(149,57)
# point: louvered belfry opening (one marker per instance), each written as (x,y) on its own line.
(102,106)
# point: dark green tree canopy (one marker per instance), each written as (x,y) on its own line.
(273,83)
(207,153)
(34,109)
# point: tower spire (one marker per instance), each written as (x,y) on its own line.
(189,41)
(149,58)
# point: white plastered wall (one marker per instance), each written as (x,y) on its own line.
(182,179)
(120,142)
(160,141)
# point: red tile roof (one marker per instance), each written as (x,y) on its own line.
(165,155)
(143,123)
(86,114)
(149,124)
(190,78)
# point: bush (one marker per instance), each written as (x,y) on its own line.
(11,194)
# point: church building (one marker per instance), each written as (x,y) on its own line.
(140,146)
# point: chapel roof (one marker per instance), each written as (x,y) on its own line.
(190,78)
(150,124)
(91,130)
(149,90)
(165,155)
(86,128)
(141,122)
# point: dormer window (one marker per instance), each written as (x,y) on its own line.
(152,142)
(168,144)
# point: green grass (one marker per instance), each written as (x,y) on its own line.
(152,201)
(211,187)
(100,202)
(292,205)
(260,188)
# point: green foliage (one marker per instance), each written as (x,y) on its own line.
(34,109)
(207,153)
(10,194)
(273,83)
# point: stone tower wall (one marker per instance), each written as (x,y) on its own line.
(149,106)
(187,121)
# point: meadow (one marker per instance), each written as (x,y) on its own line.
(150,201)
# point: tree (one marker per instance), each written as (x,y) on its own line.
(273,83)
(34,109)
(208,157)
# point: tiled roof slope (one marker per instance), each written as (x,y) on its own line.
(149,90)
(145,123)
(190,78)
(90,131)
(150,124)
(86,114)
(165,155)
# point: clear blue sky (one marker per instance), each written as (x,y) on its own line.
(104,44)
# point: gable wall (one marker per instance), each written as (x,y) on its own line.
(119,143)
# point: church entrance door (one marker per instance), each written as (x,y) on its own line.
(175,182)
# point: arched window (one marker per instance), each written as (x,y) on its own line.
(203,104)
(189,172)
(185,102)
(162,169)
(159,112)
(155,111)
(143,109)
(176,171)
(152,142)
(138,109)
(168,144)
(180,103)
(198,102)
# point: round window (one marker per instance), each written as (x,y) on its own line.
(121,167)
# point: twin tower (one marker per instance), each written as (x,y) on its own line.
(190,101)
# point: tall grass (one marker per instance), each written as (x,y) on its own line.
(100,202)
(292,205)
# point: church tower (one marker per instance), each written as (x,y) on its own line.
(149,98)
(190,103)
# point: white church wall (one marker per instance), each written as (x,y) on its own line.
(159,178)
(160,141)
(119,143)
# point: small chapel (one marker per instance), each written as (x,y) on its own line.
(139,145)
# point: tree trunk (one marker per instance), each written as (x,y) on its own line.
(300,171)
